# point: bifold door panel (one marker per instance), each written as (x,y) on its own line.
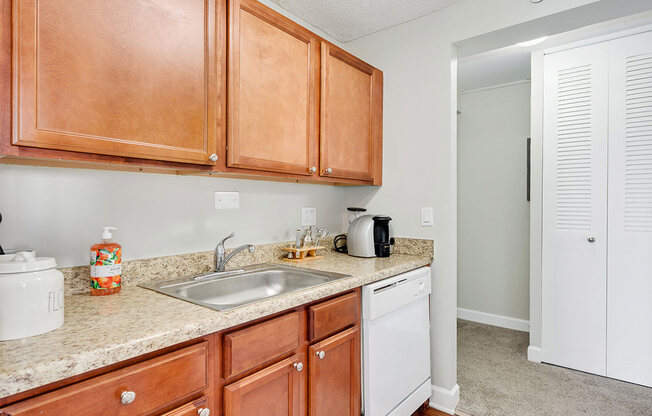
(597,209)
(575,209)
(629,289)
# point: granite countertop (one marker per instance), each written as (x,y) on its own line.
(101,331)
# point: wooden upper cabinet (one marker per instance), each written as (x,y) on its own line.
(273,391)
(351,117)
(273,104)
(121,77)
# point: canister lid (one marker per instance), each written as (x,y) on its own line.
(25,261)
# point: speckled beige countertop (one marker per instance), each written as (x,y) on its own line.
(100,331)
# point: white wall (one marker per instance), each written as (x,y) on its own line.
(420,150)
(60,212)
(493,213)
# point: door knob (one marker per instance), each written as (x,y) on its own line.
(320,354)
(127,397)
(329,170)
(213,157)
(203,412)
(298,366)
(313,169)
(591,240)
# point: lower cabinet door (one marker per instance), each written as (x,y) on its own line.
(334,386)
(197,407)
(273,391)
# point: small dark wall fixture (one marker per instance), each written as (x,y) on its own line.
(529,166)
(1,250)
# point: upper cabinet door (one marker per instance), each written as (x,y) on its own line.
(351,117)
(121,77)
(273,91)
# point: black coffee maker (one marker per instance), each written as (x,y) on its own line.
(383,240)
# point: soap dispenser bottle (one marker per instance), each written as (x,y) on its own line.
(106,265)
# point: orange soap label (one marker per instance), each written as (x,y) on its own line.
(106,268)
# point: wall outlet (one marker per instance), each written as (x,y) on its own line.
(308,217)
(427,219)
(227,200)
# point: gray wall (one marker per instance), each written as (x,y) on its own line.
(493,215)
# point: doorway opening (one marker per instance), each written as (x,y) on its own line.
(499,227)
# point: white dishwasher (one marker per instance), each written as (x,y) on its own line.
(396,344)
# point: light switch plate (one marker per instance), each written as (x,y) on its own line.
(427,219)
(308,217)
(227,200)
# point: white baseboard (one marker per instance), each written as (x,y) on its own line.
(534,354)
(492,319)
(445,400)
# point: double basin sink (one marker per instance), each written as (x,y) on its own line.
(223,291)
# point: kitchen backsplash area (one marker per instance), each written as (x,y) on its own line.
(60,212)
(135,272)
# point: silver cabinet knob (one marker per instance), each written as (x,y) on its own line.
(591,240)
(320,354)
(329,170)
(298,366)
(203,412)
(313,169)
(127,397)
(213,157)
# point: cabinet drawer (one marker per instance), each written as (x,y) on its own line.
(250,347)
(332,316)
(157,382)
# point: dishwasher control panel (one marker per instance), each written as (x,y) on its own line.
(392,293)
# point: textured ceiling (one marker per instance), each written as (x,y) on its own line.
(346,20)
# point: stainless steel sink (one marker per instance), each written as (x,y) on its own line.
(228,290)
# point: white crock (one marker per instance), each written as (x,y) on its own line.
(31,295)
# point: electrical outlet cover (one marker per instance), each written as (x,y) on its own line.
(227,200)
(308,217)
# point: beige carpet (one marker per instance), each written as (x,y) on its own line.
(496,379)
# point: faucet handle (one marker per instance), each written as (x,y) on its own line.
(226,238)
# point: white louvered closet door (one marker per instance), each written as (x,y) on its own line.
(575,208)
(629,289)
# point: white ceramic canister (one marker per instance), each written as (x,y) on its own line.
(31,295)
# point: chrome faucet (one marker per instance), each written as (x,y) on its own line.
(221,259)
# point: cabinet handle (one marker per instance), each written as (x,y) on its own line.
(329,170)
(213,157)
(591,239)
(127,397)
(203,412)
(313,169)
(298,366)
(320,354)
